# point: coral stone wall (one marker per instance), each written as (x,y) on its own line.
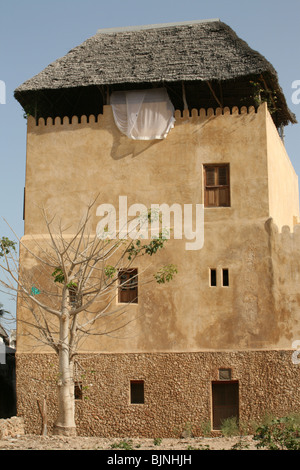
(11,427)
(178,390)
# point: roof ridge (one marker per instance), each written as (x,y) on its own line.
(122,29)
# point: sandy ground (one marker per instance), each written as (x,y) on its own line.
(33,442)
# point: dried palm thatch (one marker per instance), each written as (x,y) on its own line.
(215,66)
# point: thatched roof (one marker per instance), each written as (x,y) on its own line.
(191,52)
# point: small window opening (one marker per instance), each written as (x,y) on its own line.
(213,277)
(137,392)
(225,277)
(78,390)
(75,299)
(224,374)
(128,286)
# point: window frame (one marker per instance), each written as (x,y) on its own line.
(132,299)
(216,187)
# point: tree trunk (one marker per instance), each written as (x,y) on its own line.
(65,424)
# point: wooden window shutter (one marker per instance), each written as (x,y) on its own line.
(210,176)
(128,286)
(217,187)
(222,175)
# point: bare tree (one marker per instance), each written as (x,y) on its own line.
(6,317)
(67,283)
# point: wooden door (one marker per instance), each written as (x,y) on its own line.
(225,398)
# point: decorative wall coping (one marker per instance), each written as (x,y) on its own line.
(180,116)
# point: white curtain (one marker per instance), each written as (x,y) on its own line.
(143,114)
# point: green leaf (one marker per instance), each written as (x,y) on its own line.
(58,275)
(109,271)
(166,274)
(35,291)
(6,245)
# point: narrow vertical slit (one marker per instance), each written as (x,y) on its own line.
(225,278)
(213,277)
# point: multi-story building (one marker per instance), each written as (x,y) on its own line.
(218,340)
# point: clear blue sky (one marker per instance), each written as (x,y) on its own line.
(34,33)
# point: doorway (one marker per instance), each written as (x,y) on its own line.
(225,402)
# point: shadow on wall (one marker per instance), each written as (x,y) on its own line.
(123,147)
